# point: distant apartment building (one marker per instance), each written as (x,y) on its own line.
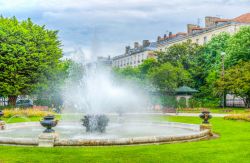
(136,55)
(200,35)
(101,62)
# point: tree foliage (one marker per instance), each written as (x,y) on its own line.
(197,66)
(210,64)
(168,77)
(29,54)
(236,81)
(49,93)
(239,47)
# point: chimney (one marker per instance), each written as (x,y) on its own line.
(127,48)
(170,34)
(190,27)
(210,21)
(136,45)
(165,36)
(145,43)
(158,38)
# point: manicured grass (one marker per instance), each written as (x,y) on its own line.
(232,146)
(21,119)
(24,119)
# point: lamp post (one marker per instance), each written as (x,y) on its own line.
(222,74)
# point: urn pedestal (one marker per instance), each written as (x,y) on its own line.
(47,139)
(206,127)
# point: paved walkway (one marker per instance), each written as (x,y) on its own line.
(168,114)
(193,114)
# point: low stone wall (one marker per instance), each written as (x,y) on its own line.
(203,133)
(131,141)
(19,141)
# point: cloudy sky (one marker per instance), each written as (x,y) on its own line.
(105,27)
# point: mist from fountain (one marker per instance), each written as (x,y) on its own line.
(97,92)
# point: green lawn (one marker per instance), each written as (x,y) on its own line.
(24,119)
(21,119)
(232,146)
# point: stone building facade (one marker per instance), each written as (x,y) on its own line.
(200,35)
(135,56)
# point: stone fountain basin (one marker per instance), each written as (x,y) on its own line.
(74,134)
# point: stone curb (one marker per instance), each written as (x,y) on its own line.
(203,134)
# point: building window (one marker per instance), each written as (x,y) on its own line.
(205,39)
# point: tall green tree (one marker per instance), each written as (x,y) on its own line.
(210,63)
(236,81)
(238,49)
(183,53)
(146,67)
(49,93)
(188,55)
(29,54)
(168,77)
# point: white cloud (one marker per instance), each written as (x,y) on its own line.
(117,23)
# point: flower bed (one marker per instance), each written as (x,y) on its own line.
(25,112)
(245,117)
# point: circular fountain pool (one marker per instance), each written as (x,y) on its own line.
(74,134)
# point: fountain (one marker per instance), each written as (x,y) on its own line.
(95,123)
(114,113)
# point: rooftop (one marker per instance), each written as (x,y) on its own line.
(185,89)
(245,18)
(161,41)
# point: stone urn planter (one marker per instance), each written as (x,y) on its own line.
(48,122)
(205,115)
(2,123)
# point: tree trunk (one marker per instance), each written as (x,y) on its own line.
(247,103)
(225,99)
(12,100)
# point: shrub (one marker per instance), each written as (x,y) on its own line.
(182,102)
(168,101)
(244,117)
(25,112)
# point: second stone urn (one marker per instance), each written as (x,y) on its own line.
(2,123)
(205,115)
(48,122)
